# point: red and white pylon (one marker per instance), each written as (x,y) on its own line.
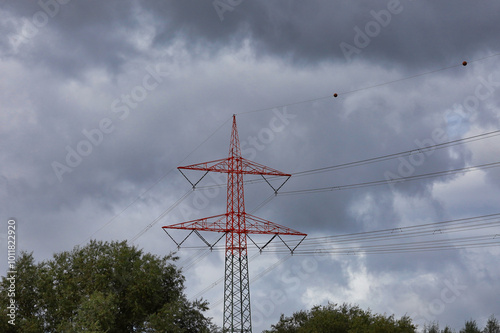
(236,225)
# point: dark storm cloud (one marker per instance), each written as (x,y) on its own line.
(70,37)
(85,62)
(394,32)
(408,33)
(369,132)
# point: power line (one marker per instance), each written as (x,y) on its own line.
(366,161)
(433,225)
(133,202)
(253,280)
(372,86)
(361,243)
(371,160)
(362,251)
(435,229)
(161,216)
(400,154)
(286,105)
(483,240)
(383,181)
(393,180)
(218,281)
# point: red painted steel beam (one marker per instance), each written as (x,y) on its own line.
(253,225)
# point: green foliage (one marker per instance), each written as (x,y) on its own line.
(116,288)
(431,328)
(341,319)
(492,325)
(434,328)
(470,327)
(102,287)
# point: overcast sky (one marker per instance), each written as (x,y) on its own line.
(102,100)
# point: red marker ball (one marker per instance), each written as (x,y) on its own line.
(464,63)
(335,95)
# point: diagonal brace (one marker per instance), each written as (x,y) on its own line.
(211,246)
(292,250)
(262,248)
(275,189)
(178,244)
(194,185)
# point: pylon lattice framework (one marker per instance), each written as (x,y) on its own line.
(236,225)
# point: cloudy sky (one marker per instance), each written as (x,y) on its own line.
(102,100)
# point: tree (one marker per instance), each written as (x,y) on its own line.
(341,319)
(431,328)
(470,327)
(492,325)
(434,328)
(102,287)
(447,329)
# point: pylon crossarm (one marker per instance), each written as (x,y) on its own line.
(220,165)
(224,165)
(254,168)
(218,224)
(257,225)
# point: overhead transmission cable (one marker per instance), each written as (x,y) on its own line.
(362,243)
(384,238)
(382,158)
(161,216)
(150,188)
(218,281)
(264,109)
(379,182)
(372,160)
(436,245)
(430,229)
(401,154)
(372,86)
(392,180)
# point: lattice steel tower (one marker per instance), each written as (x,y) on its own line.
(236,225)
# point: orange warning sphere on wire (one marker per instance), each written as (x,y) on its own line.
(335,95)
(464,63)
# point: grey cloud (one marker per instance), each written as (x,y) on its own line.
(308,33)
(262,54)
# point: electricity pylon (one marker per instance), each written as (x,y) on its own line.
(236,225)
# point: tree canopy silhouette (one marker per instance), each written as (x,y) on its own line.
(102,287)
(341,319)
